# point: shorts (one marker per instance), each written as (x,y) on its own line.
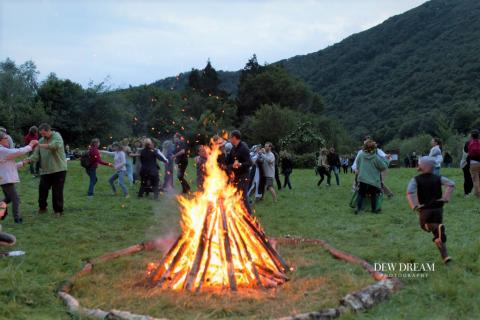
(430,216)
(268,182)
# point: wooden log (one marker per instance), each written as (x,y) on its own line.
(272,273)
(170,268)
(152,280)
(209,252)
(249,256)
(149,245)
(74,307)
(192,274)
(87,268)
(112,255)
(325,314)
(66,286)
(281,264)
(338,254)
(125,315)
(228,250)
(371,295)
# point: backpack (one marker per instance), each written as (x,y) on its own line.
(85,160)
(474,148)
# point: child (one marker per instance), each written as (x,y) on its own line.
(424,195)
(9,174)
(200,161)
(6,239)
(119,164)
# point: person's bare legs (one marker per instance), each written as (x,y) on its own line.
(274,195)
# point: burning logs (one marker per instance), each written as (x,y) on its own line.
(356,301)
(228,251)
(221,247)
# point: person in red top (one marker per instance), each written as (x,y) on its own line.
(32,135)
(95,160)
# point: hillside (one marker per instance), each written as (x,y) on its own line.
(410,74)
(391,79)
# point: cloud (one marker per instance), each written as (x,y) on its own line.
(141,41)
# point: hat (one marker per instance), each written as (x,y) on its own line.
(427,162)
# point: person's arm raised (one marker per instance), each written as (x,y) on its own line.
(15,153)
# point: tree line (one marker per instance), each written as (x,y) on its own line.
(271,105)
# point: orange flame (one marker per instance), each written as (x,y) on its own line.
(221,245)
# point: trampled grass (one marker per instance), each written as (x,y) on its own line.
(57,248)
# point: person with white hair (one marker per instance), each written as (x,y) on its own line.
(11,144)
(424,195)
(9,174)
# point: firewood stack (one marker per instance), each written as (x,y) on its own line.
(228,250)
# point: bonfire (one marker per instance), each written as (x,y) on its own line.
(221,246)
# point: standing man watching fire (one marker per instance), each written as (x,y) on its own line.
(239,163)
(53,168)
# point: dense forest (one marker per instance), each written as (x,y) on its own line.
(412,74)
(270,105)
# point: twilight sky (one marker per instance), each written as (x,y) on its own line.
(137,42)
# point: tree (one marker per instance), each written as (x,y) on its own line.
(271,123)
(251,68)
(274,85)
(63,101)
(18,85)
(194,79)
(209,80)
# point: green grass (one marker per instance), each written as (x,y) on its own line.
(57,248)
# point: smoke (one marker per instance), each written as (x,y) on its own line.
(165,228)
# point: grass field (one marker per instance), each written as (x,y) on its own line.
(57,248)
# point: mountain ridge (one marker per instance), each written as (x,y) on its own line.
(395,79)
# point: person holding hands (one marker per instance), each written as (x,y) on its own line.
(9,174)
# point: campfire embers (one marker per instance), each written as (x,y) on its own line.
(221,246)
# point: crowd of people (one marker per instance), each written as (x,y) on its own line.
(254,171)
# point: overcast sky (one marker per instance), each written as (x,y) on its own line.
(136,42)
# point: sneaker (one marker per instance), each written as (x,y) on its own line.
(18,220)
(90,197)
(58,214)
(42,211)
(127,196)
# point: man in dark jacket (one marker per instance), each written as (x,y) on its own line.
(333,161)
(150,168)
(239,163)
(181,159)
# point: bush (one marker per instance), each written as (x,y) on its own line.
(306,160)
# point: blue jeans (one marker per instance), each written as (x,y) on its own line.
(335,171)
(129,166)
(120,175)
(436,171)
(92,173)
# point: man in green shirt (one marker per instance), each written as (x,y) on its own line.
(53,168)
